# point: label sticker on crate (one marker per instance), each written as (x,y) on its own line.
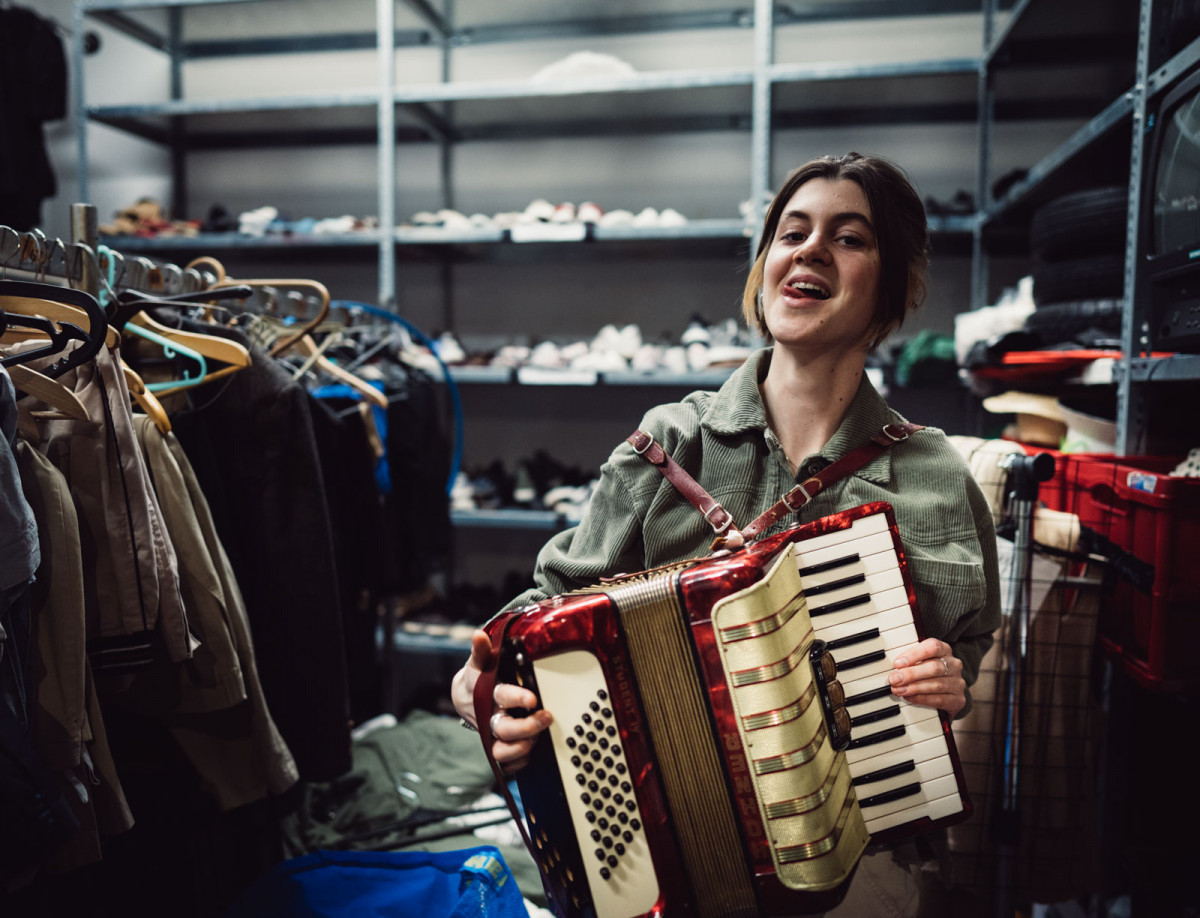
(1141,481)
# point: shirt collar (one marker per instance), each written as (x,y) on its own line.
(738,408)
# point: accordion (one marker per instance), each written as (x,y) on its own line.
(725,741)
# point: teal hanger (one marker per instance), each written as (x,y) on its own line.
(171,348)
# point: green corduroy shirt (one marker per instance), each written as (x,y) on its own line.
(637,519)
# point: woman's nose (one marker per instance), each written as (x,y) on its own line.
(813,248)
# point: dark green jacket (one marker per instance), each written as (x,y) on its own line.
(637,520)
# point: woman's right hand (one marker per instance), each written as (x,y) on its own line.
(513,736)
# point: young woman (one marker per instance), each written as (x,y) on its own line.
(840,263)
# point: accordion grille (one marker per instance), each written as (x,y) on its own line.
(676,706)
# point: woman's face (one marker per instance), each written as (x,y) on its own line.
(821,277)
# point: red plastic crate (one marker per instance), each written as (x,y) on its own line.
(1149,522)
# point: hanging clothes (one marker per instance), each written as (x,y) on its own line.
(250,441)
(68,726)
(33,91)
(131,585)
(19,558)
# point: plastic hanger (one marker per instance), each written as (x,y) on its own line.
(171,349)
(60,304)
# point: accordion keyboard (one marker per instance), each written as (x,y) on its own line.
(899,758)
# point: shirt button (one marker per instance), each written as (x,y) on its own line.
(813,466)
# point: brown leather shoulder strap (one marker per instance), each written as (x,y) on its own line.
(718,517)
(800,495)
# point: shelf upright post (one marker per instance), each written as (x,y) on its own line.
(985,114)
(77,87)
(1132,397)
(176,132)
(760,123)
(84,223)
(385,18)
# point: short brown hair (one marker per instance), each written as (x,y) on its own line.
(901,231)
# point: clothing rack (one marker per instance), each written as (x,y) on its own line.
(85,264)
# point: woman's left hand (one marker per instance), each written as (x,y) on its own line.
(929,674)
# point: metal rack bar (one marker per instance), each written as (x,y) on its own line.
(386,151)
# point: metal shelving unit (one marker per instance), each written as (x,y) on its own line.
(754,98)
(1115,132)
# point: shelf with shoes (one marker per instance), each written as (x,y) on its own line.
(544,104)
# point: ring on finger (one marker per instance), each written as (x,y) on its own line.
(495,718)
(945,665)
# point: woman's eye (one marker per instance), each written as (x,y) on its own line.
(852,241)
(793,236)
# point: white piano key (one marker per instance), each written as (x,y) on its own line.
(864,525)
(918,752)
(937,800)
(892,643)
(872,605)
(879,547)
(906,714)
(874,583)
(918,726)
(922,773)
(900,617)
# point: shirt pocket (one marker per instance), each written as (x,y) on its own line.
(950,592)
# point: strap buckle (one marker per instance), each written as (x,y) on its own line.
(903,433)
(787,498)
(718,529)
(649,443)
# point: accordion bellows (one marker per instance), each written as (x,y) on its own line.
(702,761)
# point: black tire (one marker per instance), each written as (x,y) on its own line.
(1091,222)
(1059,322)
(1094,277)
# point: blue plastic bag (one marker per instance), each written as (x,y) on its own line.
(388,884)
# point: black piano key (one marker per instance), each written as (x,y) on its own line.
(874,717)
(869,695)
(908,790)
(873,657)
(835,585)
(839,606)
(883,774)
(851,639)
(830,565)
(881,737)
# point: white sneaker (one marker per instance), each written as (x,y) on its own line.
(671,217)
(629,339)
(617,218)
(648,359)
(540,209)
(696,333)
(648,216)
(448,348)
(589,213)
(675,359)
(546,354)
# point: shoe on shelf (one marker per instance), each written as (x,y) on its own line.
(671,217)
(589,213)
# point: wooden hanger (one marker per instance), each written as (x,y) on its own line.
(316,357)
(294,282)
(50,391)
(146,399)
